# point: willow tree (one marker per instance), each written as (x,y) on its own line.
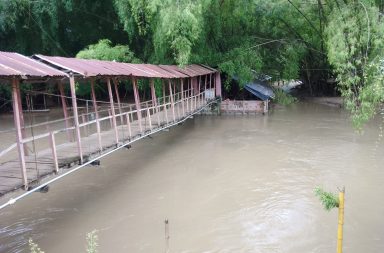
(355,40)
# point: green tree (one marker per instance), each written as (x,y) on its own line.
(104,50)
(355,37)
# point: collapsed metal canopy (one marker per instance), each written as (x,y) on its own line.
(97,68)
(14,65)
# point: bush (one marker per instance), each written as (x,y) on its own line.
(283,98)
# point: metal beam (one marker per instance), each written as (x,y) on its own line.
(19,136)
(165,103)
(22,124)
(76,116)
(112,104)
(65,110)
(182,96)
(172,101)
(96,114)
(137,102)
(115,82)
(154,100)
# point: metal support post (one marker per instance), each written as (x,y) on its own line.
(137,102)
(165,103)
(22,124)
(172,102)
(76,116)
(112,104)
(65,110)
(182,96)
(115,82)
(129,125)
(154,100)
(19,136)
(96,114)
(52,142)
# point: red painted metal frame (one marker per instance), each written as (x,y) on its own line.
(76,117)
(19,137)
(137,103)
(112,104)
(96,114)
(172,100)
(65,110)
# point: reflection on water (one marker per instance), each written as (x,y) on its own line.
(226,184)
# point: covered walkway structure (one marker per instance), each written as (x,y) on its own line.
(85,134)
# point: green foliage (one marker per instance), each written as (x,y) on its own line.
(179,27)
(328,199)
(355,37)
(283,98)
(33,247)
(104,50)
(308,40)
(241,63)
(92,242)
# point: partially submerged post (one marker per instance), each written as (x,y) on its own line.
(341,222)
(330,201)
(166,235)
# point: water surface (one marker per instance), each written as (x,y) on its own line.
(226,184)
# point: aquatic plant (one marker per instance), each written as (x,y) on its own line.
(91,238)
(34,248)
(328,199)
(92,242)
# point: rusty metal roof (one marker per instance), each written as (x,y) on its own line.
(16,65)
(97,68)
(85,68)
(190,70)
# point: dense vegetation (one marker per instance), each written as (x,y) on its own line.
(318,41)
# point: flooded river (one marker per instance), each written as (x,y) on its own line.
(226,184)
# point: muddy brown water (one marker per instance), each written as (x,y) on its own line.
(226,184)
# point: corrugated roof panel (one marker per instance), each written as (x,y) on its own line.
(200,70)
(173,70)
(160,71)
(17,65)
(190,70)
(86,68)
(94,68)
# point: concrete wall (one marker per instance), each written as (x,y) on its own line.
(244,106)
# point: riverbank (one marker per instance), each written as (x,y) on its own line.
(329,101)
